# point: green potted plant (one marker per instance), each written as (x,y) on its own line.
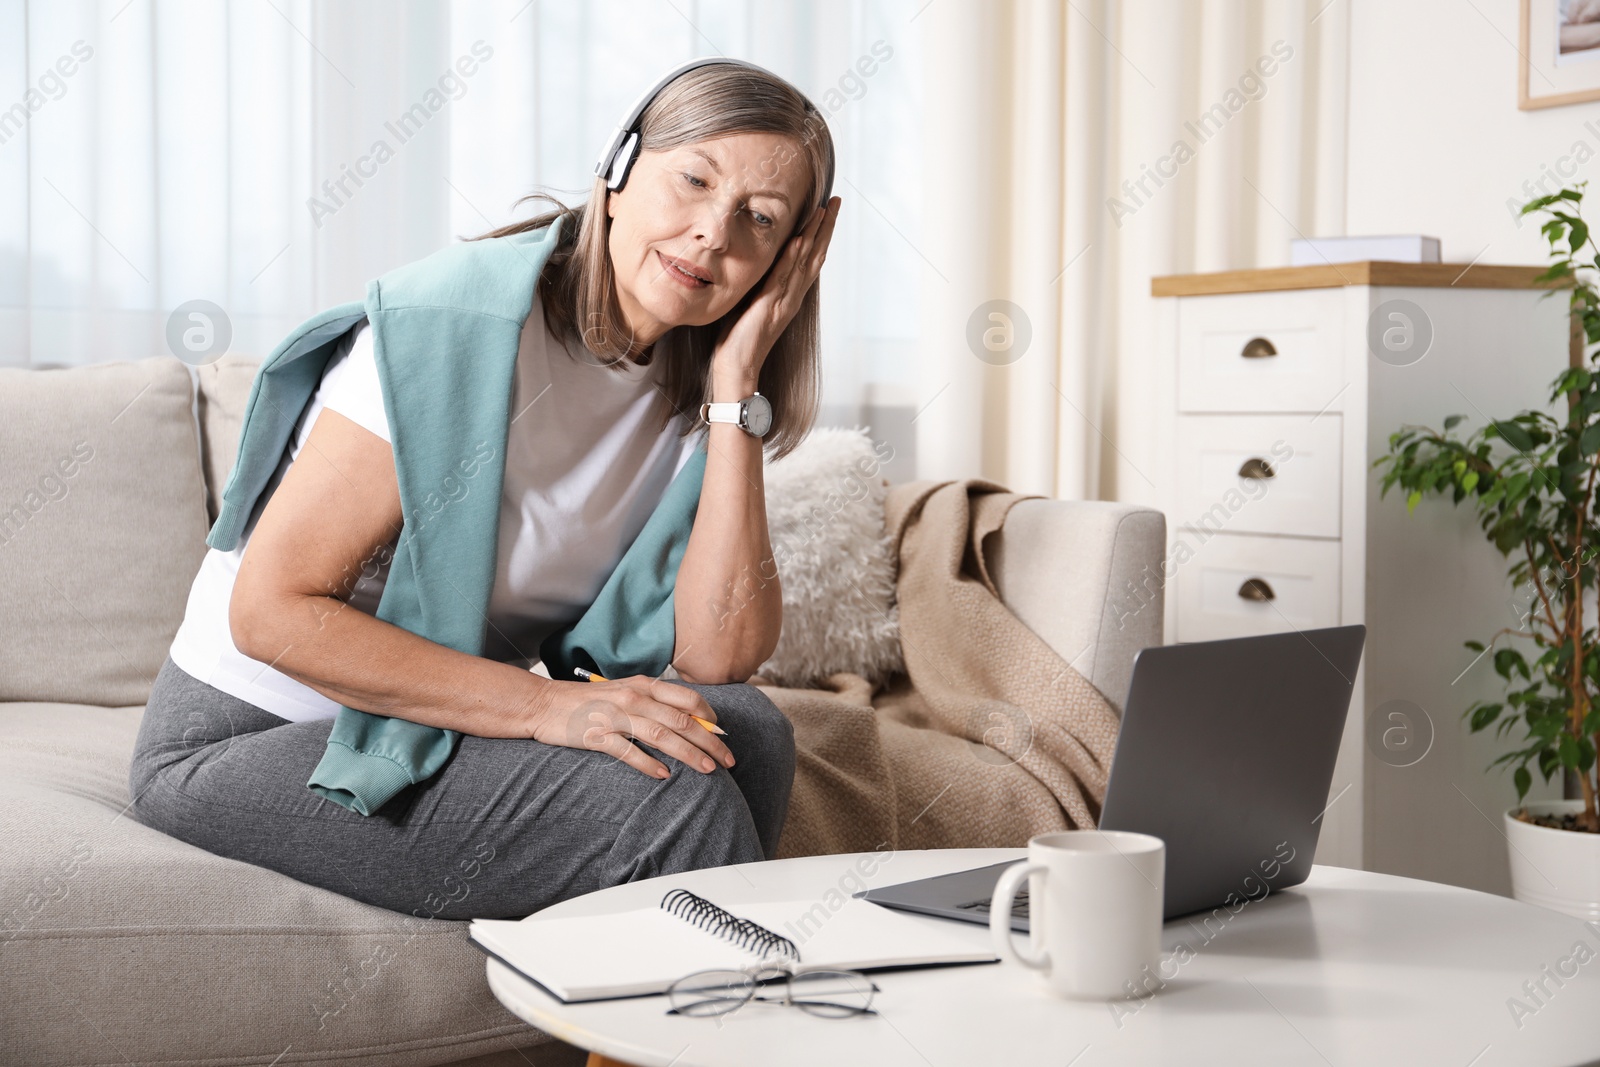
(1534,480)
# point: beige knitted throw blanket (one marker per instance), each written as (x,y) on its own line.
(988,738)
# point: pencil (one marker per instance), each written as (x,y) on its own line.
(591,676)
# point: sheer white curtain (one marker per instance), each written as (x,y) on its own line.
(1040,111)
(272,156)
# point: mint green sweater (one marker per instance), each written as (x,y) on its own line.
(445,331)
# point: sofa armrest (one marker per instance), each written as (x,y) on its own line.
(1086,576)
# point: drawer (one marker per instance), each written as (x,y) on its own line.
(1280,351)
(1275,474)
(1238,585)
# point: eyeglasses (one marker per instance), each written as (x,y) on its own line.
(831,994)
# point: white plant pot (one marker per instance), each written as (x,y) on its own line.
(1558,869)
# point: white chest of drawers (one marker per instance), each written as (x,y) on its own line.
(1276,390)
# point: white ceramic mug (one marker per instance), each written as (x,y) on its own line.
(1094,910)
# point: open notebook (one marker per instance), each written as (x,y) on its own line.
(643,951)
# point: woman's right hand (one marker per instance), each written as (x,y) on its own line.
(602,716)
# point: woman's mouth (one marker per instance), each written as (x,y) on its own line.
(685,274)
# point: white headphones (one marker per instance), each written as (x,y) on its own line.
(622,148)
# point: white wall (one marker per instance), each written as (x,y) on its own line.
(1438,146)
(1436,143)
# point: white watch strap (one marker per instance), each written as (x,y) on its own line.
(727,411)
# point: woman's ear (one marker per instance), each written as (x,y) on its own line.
(611,203)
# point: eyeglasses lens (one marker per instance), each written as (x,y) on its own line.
(831,993)
(711,992)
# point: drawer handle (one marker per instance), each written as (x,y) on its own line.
(1256,589)
(1256,468)
(1258,348)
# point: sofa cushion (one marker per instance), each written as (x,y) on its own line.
(224,389)
(836,567)
(124,945)
(102,527)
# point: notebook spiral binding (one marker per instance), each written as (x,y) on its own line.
(742,932)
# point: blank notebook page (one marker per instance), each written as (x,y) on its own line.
(647,949)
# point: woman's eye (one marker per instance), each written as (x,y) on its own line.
(696,182)
(761,220)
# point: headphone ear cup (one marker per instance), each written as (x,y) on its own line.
(623,162)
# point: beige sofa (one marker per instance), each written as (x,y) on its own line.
(120,945)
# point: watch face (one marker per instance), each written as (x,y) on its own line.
(758,415)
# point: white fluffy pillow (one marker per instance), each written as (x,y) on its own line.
(825,518)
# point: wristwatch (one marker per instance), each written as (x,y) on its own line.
(753,414)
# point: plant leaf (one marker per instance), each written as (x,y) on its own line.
(1513,435)
(1507,660)
(1485,715)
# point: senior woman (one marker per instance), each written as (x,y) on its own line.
(689,278)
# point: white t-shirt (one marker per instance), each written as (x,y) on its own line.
(584,469)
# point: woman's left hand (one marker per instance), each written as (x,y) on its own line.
(744,346)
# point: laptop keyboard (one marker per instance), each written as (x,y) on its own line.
(1019,905)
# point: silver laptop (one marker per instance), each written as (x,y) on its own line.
(1226,753)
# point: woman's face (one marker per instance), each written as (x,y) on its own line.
(721,208)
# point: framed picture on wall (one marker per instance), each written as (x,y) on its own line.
(1560,61)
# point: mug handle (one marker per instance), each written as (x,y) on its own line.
(1005,892)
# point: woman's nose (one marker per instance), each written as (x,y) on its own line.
(714,223)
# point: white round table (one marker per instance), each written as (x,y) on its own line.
(1350,967)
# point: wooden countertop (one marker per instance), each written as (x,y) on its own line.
(1366,272)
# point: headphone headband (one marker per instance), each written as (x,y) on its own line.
(622,147)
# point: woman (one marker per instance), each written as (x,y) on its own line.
(696,282)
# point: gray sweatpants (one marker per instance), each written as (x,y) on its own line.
(505,828)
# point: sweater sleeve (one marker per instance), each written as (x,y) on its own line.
(630,629)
